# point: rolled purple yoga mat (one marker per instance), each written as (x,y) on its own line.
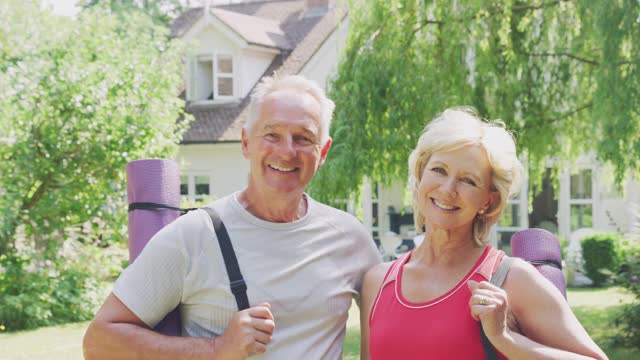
(540,245)
(153,181)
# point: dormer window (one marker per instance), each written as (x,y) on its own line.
(212,77)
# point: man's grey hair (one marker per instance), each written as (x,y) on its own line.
(275,83)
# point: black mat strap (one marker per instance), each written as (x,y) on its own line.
(155,206)
(237,283)
(553,263)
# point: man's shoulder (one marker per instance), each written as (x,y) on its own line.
(189,227)
(341,220)
(221,203)
(331,212)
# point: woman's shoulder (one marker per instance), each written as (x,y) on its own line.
(380,269)
(521,272)
(524,283)
(375,275)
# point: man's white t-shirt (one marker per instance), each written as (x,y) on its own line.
(307,270)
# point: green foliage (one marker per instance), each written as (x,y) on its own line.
(37,292)
(79,98)
(601,255)
(629,319)
(562,74)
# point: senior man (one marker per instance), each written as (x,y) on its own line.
(302,261)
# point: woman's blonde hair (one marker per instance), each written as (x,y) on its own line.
(458,127)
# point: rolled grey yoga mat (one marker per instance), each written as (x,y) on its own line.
(153,181)
(539,246)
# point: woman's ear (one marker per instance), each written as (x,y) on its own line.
(494,199)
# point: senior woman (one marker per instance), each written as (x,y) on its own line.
(426,304)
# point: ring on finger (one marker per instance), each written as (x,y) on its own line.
(484,301)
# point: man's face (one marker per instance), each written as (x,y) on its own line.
(284,147)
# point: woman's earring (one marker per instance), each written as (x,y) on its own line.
(481,212)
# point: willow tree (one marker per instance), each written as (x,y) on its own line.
(562,74)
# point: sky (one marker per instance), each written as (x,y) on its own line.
(62,7)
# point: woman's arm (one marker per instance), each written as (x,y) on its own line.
(550,330)
(370,286)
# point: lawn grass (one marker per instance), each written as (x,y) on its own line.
(55,343)
(594,307)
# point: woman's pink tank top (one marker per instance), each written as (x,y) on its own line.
(438,329)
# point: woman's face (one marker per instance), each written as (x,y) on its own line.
(455,186)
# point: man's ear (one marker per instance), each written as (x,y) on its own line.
(245,143)
(324,151)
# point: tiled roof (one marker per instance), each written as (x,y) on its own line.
(254,30)
(223,123)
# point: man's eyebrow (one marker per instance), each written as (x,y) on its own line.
(306,130)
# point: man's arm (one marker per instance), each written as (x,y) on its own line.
(117,333)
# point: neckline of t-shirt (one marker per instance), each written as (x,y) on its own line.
(246,215)
(446,295)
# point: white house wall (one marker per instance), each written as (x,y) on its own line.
(222,162)
(252,65)
(210,40)
(611,214)
(323,64)
(249,64)
(632,204)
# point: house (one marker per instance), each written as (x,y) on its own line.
(237,44)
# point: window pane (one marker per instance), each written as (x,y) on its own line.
(225,64)
(510,216)
(202,185)
(581,216)
(184,185)
(204,80)
(374,214)
(225,86)
(581,185)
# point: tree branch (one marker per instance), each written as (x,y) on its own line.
(425,23)
(39,193)
(575,111)
(548,121)
(569,55)
(523,8)
(489,14)
(540,6)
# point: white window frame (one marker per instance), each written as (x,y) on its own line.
(565,201)
(195,80)
(369,199)
(577,201)
(217,75)
(191,186)
(523,201)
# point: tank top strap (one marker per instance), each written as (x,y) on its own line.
(389,277)
(392,273)
(490,263)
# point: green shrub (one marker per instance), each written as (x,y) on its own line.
(629,277)
(600,253)
(36,291)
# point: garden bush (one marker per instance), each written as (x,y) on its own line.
(629,277)
(601,256)
(57,286)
